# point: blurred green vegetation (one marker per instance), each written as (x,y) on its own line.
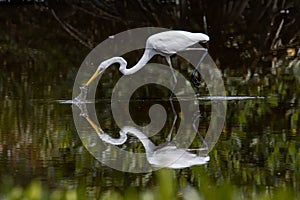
(164,188)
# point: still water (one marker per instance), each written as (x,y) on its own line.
(258,149)
(259,145)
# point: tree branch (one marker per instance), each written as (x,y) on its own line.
(71,30)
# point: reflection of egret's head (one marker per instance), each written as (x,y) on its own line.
(115,141)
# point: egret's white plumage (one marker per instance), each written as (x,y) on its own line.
(170,42)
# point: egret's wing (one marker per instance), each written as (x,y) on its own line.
(170,42)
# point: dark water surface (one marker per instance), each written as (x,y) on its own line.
(258,150)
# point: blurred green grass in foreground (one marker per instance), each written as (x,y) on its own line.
(167,186)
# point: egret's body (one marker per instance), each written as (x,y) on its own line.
(165,43)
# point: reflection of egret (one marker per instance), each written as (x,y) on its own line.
(166,44)
(166,155)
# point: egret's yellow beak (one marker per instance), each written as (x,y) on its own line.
(97,73)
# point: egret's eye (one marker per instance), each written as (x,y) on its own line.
(101,69)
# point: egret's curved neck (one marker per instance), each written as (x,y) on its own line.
(148,54)
(148,145)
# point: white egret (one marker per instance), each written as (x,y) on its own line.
(165,43)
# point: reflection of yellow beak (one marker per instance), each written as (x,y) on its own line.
(97,72)
(95,127)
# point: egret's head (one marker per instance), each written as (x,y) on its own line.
(99,71)
(122,62)
(105,64)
